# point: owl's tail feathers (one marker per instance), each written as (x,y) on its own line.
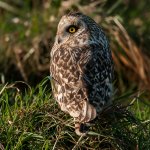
(89,112)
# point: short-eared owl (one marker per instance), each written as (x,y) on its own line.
(81,68)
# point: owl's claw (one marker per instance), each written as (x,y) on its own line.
(80,133)
(81,129)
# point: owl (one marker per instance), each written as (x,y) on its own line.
(81,69)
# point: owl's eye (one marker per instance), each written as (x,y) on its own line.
(72,29)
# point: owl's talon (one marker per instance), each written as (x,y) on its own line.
(80,129)
(78,132)
(83,128)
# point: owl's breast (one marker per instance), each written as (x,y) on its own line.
(68,64)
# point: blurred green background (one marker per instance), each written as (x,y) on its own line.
(27,32)
(29,116)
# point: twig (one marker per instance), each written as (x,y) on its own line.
(1,147)
(55,143)
(78,142)
(8,7)
(3,88)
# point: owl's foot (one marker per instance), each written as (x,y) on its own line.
(81,129)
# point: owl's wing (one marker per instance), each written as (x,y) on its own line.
(98,76)
(80,72)
(67,68)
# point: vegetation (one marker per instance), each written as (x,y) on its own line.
(30,118)
(33,120)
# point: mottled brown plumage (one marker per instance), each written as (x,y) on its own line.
(81,68)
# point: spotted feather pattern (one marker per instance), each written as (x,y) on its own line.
(82,71)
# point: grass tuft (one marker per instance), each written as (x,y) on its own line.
(31,119)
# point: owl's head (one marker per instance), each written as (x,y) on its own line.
(76,28)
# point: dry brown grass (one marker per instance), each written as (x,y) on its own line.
(134,63)
(32,55)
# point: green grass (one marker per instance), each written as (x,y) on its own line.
(31,120)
